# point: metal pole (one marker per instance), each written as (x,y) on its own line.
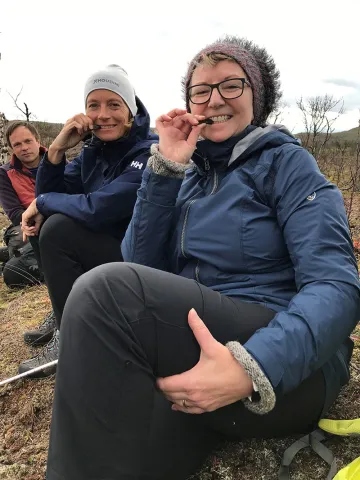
(25,374)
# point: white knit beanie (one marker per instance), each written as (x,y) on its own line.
(115,79)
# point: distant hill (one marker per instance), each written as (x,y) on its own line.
(48,131)
(349,136)
(54,126)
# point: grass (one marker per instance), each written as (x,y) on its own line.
(25,410)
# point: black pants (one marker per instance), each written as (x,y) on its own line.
(66,250)
(123,326)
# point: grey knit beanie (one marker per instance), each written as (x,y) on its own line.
(258,66)
(115,79)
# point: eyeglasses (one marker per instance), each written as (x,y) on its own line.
(232,88)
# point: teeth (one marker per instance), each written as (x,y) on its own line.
(106,126)
(220,118)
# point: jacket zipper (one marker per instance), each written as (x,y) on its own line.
(184,226)
(213,190)
(197,271)
(206,164)
(215,183)
(207,168)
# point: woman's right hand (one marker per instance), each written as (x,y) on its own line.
(178,133)
(74,130)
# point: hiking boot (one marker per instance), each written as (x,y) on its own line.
(49,353)
(43,334)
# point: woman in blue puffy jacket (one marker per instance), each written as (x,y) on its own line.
(87,203)
(232,319)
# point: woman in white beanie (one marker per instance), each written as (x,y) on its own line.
(88,202)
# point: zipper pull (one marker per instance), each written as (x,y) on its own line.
(207,164)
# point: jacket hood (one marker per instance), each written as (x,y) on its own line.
(260,138)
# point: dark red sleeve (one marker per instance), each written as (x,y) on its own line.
(9,200)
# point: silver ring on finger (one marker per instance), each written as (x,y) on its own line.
(184,404)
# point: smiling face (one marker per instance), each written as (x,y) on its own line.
(230,116)
(109,111)
(25,146)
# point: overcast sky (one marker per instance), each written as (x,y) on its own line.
(50,48)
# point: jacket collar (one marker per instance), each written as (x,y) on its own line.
(216,154)
(237,149)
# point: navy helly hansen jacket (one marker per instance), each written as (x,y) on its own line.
(264,225)
(98,188)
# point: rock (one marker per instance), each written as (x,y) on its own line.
(3,146)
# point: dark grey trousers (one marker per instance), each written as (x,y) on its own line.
(123,326)
(65,250)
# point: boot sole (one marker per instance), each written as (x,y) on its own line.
(41,373)
(36,340)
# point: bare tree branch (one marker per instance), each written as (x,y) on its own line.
(278,115)
(25,112)
(318,121)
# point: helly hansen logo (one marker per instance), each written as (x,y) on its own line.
(136,164)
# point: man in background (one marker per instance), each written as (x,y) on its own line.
(17,191)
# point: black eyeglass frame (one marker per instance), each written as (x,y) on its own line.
(217,85)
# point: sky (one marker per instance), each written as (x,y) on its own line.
(49,49)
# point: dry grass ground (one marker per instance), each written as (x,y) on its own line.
(25,408)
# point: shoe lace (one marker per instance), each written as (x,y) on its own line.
(48,320)
(49,347)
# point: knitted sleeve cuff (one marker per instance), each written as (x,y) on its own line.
(267,395)
(164,167)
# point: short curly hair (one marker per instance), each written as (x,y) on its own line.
(258,65)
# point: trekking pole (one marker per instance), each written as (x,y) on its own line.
(25,374)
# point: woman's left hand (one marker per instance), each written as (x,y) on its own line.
(216,380)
